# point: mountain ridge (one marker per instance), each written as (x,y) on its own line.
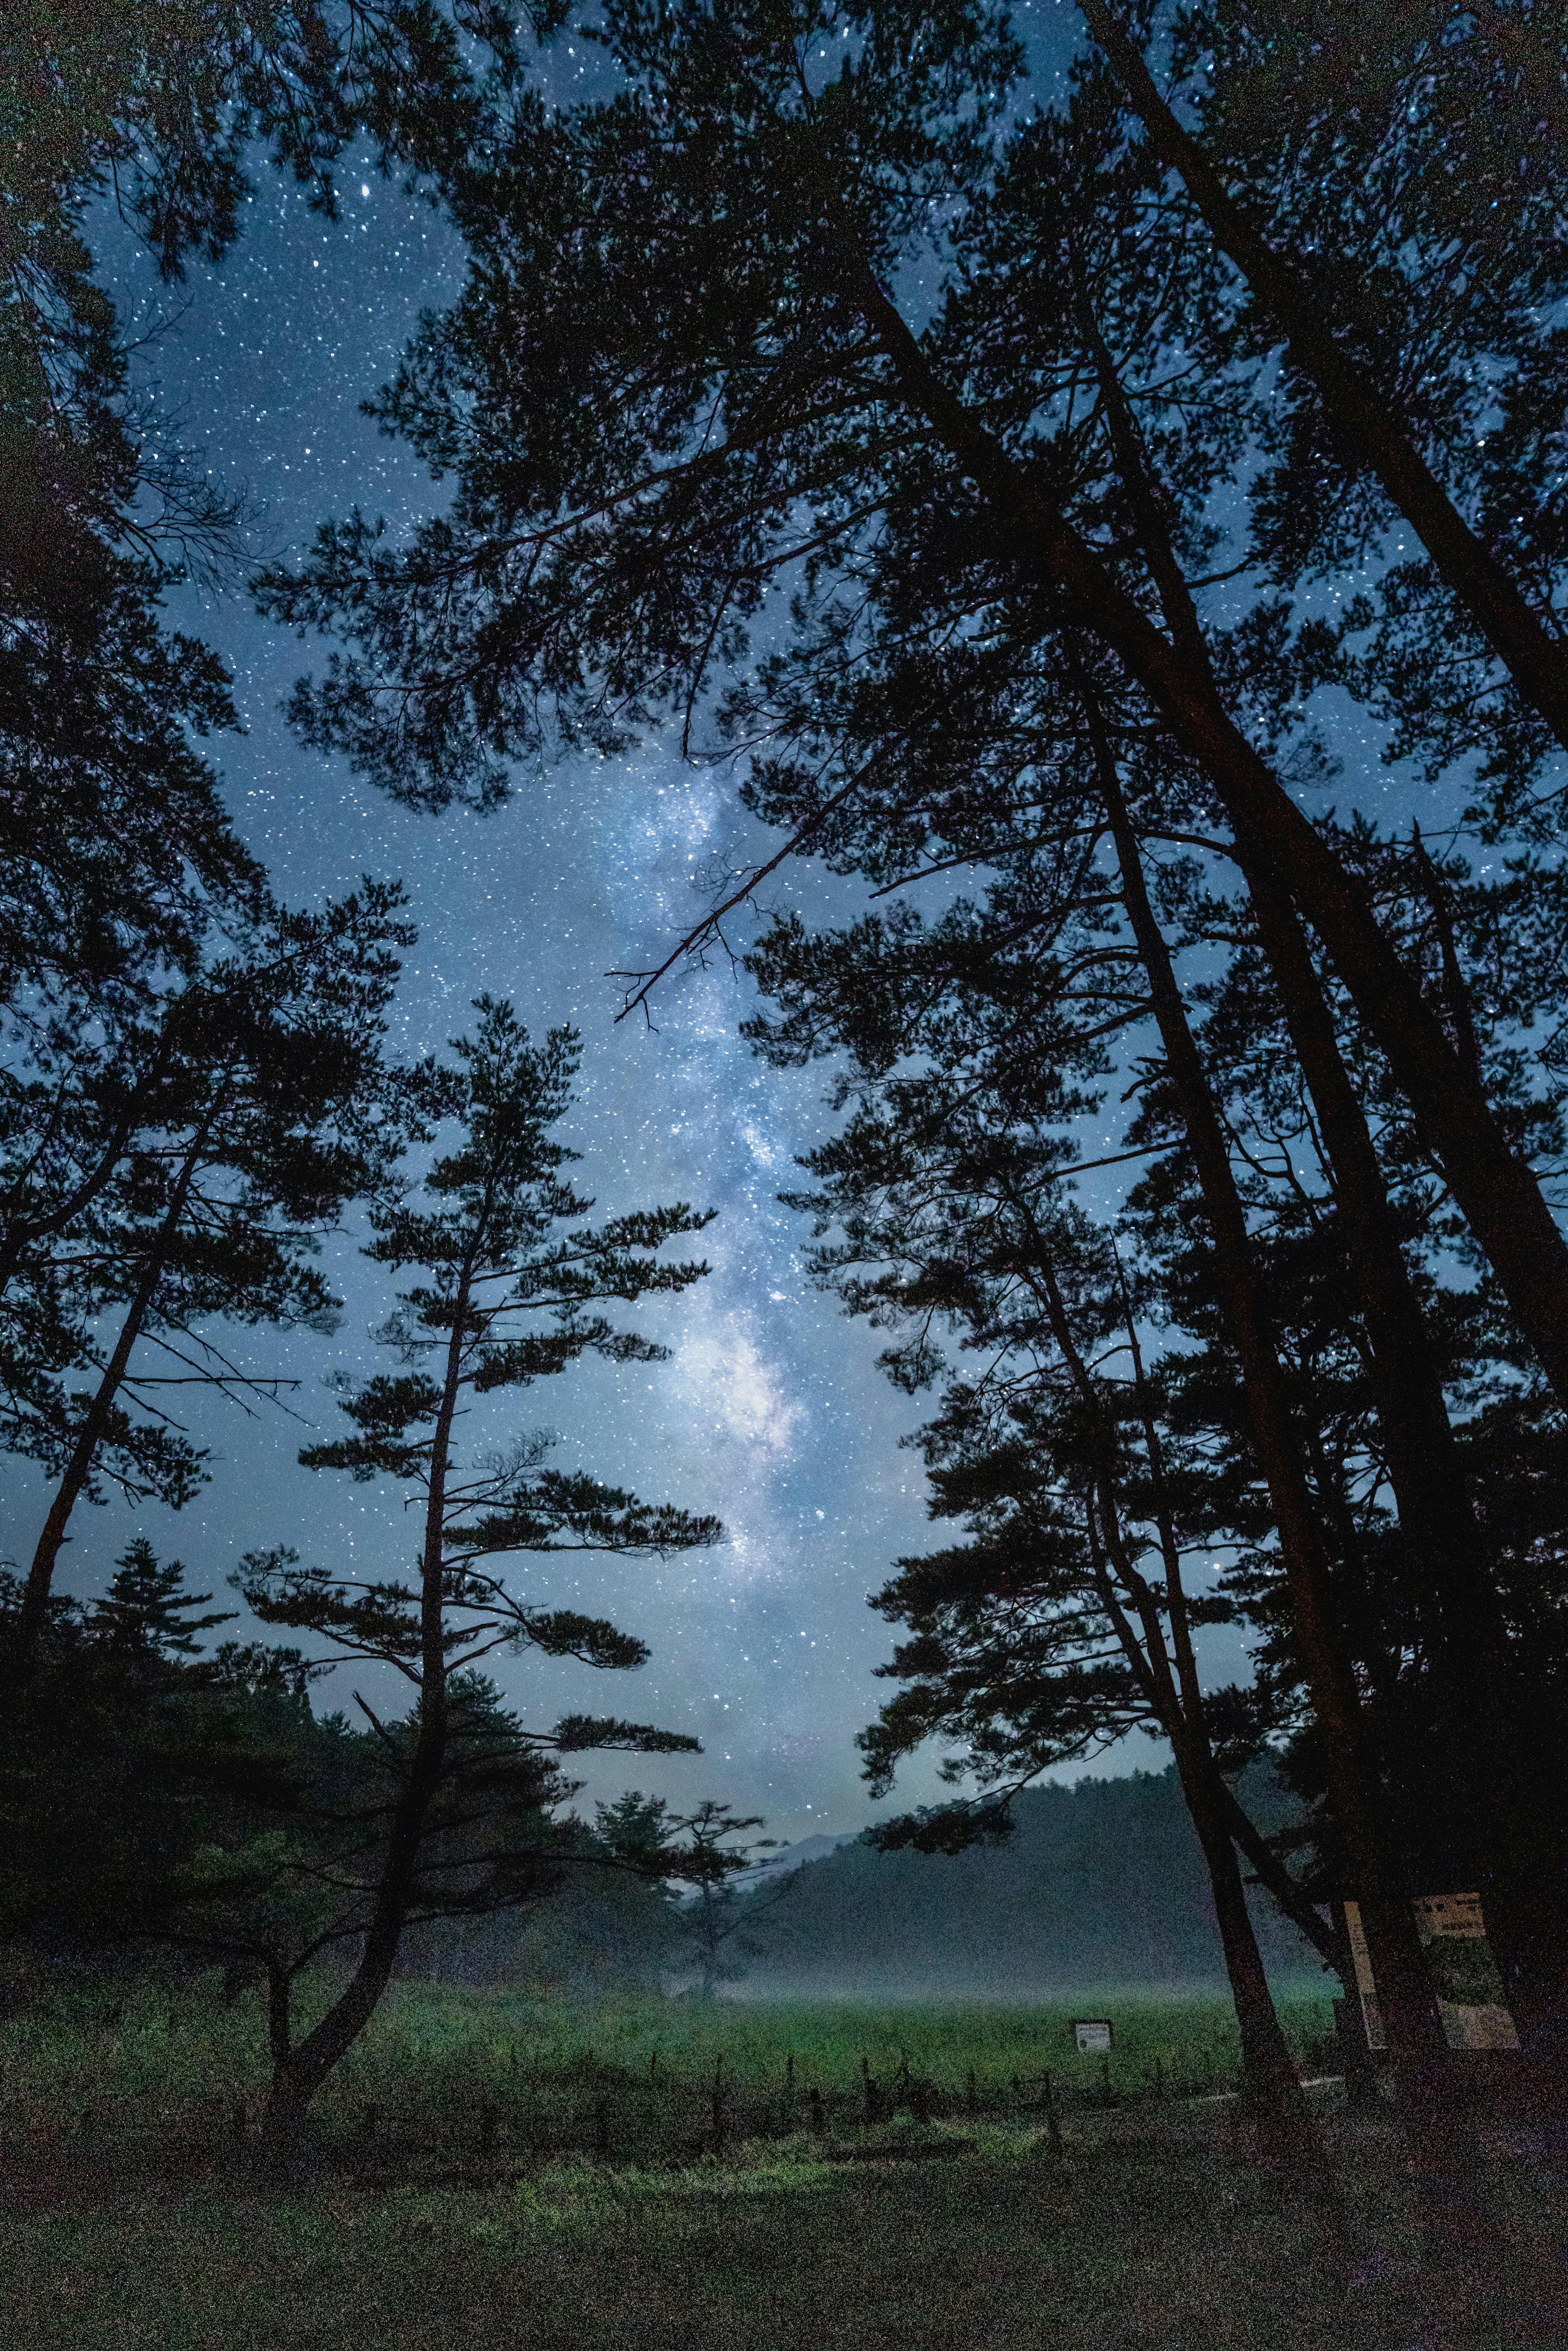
(1102,1881)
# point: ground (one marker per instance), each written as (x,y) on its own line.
(437,2212)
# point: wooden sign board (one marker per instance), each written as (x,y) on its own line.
(1464,1974)
(1092,2035)
(1366,1985)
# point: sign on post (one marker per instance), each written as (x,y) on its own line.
(1366,1983)
(1092,2035)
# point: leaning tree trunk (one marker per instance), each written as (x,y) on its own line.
(1227,1819)
(1273,2090)
(97,1421)
(1484,1768)
(299,2071)
(1441,2147)
(1485,1757)
(1290,2142)
(1412,2017)
(1496,1189)
(1363,415)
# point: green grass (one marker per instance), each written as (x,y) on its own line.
(132,2221)
(991,2252)
(443,2067)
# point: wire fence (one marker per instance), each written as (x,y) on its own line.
(667,2116)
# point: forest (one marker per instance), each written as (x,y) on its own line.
(1050,522)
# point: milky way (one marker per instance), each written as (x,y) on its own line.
(770,1412)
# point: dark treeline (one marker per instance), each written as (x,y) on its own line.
(1016,493)
(1103,1884)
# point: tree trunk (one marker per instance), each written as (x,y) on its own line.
(303,2068)
(34,1610)
(1364,417)
(1274,2085)
(1484,1755)
(1413,2028)
(1483,1769)
(1496,1190)
(1441,2149)
(1486,1775)
(1273,2090)
(1286,1894)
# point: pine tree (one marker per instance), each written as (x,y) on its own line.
(115,850)
(146,1612)
(184,1177)
(751,398)
(1053,1631)
(133,1757)
(502,1299)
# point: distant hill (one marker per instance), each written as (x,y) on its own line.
(1101,1883)
(787,1859)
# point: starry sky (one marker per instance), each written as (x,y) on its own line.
(771,1412)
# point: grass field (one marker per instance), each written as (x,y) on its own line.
(101,2062)
(501,2171)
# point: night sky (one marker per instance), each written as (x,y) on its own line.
(771,1412)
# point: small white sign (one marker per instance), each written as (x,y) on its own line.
(1092,2033)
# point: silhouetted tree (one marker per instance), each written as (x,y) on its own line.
(114,846)
(500,1301)
(751,397)
(132,1758)
(184,1177)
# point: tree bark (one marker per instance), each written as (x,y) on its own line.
(1365,420)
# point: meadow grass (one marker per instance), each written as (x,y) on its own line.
(99,2061)
(133,2219)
